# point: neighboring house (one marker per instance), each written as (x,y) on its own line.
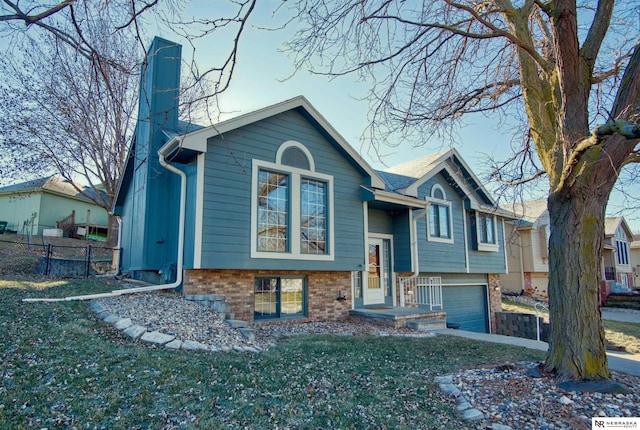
(287,221)
(528,253)
(616,252)
(31,207)
(635,259)
(527,250)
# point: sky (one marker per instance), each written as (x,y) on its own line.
(264,77)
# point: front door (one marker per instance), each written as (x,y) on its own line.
(378,276)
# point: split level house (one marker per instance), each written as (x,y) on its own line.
(527,240)
(278,213)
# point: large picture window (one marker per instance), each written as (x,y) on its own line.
(279,297)
(439,223)
(292,207)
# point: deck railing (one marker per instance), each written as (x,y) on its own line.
(421,291)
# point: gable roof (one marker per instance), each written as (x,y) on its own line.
(54,185)
(197,140)
(611,225)
(529,210)
(407,177)
(419,167)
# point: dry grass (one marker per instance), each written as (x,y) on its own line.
(63,368)
(619,334)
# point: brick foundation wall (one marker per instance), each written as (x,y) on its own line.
(495,299)
(237,287)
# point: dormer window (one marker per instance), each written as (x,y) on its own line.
(439,223)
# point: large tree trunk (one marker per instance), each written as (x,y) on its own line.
(577,344)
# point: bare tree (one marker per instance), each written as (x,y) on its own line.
(70,94)
(569,75)
(63,114)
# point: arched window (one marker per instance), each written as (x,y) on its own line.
(439,223)
(295,154)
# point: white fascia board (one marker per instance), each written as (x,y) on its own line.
(412,190)
(495,210)
(197,140)
(473,175)
(388,197)
(439,164)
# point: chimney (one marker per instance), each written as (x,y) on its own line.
(159,96)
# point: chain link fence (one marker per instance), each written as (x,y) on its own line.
(55,257)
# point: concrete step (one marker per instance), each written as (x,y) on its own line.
(249,333)
(237,323)
(221,306)
(427,325)
(205,297)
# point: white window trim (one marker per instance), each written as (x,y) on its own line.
(292,143)
(439,202)
(488,247)
(294,221)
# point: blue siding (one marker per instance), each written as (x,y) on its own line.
(401,243)
(190,214)
(451,257)
(227,199)
(484,261)
(150,212)
(438,256)
(380,222)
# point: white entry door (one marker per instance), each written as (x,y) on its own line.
(378,275)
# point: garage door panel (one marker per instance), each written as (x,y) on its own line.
(466,306)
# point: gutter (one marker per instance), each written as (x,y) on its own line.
(178,281)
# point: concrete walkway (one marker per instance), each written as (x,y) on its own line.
(624,315)
(618,361)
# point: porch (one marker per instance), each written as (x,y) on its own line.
(396,316)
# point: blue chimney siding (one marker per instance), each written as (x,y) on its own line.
(150,213)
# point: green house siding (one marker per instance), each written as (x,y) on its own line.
(48,209)
(17,208)
(226,238)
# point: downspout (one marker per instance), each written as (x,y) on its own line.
(521,259)
(119,246)
(415,261)
(182,208)
(178,281)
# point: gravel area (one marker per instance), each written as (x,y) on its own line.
(171,314)
(507,396)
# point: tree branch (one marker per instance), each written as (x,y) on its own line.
(31,19)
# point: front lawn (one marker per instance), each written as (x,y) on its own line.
(62,367)
(617,333)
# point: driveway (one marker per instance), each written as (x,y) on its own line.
(624,315)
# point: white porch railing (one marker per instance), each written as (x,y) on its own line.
(421,291)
